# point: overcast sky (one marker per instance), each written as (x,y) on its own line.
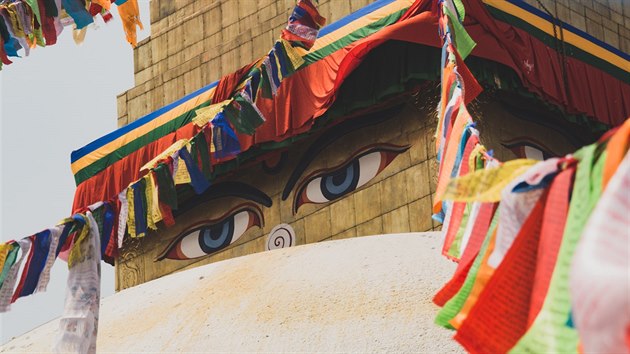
(52,102)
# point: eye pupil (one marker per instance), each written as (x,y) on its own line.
(216,236)
(341,181)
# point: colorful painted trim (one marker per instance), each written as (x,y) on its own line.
(140,127)
(357,25)
(578,44)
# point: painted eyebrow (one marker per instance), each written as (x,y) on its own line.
(226,189)
(331,136)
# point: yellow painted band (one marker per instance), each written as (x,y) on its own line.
(360,23)
(114,145)
(569,37)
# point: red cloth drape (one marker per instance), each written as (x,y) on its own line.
(309,92)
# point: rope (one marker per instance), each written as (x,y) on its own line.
(560,44)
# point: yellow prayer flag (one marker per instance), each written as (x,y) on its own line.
(4,251)
(131,215)
(77,254)
(293,55)
(206,114)
(166,153)
(486,185)
(156,214)
(149,196)
(182,176)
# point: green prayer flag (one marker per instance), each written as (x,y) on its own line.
(232,114)
(245,120)
(464,44)
(166,186)
(33,4)
(453,251)
(461,10)
(98,215)
(8,263)
(265,83)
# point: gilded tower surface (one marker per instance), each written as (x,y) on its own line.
(194,43)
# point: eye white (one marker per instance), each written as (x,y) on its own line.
(241,221)
(368,167)
(189,246)
(314,191)
(533,153)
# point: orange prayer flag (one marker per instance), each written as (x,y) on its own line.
(482,224)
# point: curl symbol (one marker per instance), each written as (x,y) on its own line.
(281,236)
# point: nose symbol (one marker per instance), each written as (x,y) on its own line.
(281,236)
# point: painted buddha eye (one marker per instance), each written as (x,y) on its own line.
(211,236)
(527,149)
(330,184)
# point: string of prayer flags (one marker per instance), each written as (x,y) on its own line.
(25,269)
(516,294)
(549,331)
(98,233)
(455,125)
(531,269)
(263,80)
(26,24)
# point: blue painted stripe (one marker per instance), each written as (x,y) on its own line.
(353,16)
(104,140)
(529,8)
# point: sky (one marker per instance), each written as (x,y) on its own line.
(53,102)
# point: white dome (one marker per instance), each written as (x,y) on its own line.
(366,294)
